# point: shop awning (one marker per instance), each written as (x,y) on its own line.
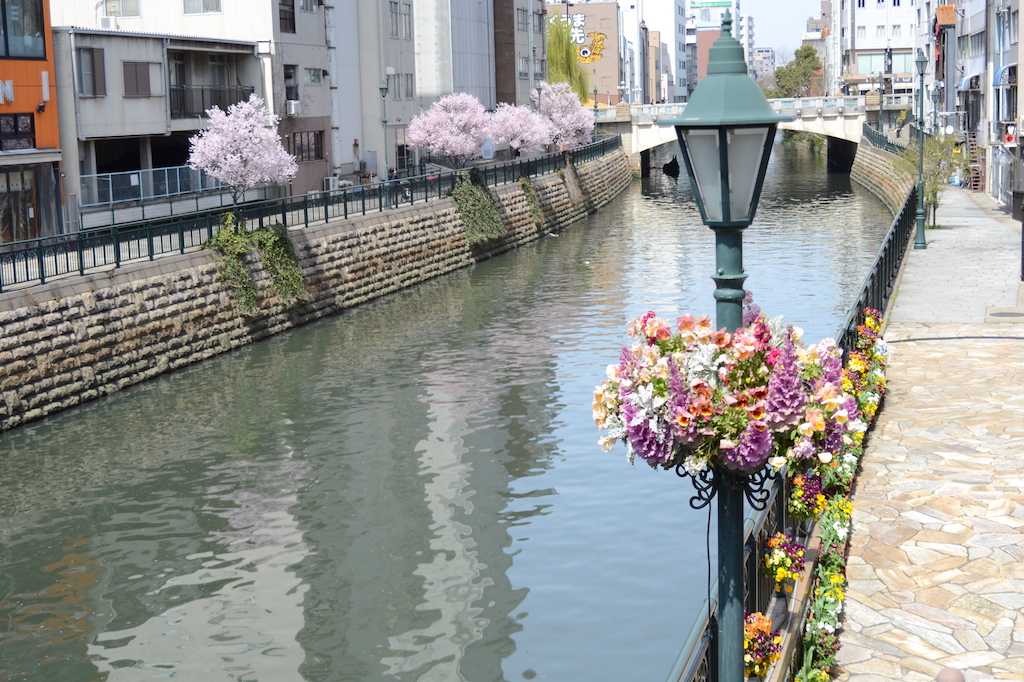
(969,82)
(1005,76)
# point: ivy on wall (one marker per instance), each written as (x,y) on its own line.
(531,199)
(276,254)
(476,207)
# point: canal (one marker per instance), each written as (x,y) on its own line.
(411,490)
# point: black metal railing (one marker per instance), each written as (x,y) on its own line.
(879,140)
(696,660)
(38,260)
(188,101)
(880,281)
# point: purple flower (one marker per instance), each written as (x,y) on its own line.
(753,449)
(655,448)
(831,362)
(786,396)
(804,449)
(751,311)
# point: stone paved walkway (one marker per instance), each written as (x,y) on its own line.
(936,563)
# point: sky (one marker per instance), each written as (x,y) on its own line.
(780,23)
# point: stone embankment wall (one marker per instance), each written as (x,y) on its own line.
(873,169)
(77,339)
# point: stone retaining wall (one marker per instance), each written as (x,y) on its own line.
(872,168)
(80,338)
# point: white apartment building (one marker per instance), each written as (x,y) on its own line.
(744,33)
(875,41)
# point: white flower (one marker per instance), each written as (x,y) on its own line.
(824,457)
(606,443)
(695,465)
(857,426)
(777,462)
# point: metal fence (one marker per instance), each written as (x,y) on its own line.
(880,281)
(38,260)
(697,658)
(104,189)
(879,140)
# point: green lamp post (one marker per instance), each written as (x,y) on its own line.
(922,65)
(725,134)
(595,100)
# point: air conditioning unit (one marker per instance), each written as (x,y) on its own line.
(108,23)
(292,107)
(330,183)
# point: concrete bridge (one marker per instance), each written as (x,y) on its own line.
(841,119)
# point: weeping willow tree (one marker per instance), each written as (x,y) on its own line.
(563,60)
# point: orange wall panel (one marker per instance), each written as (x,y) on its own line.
(28,89)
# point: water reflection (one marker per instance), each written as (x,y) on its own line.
(410,490)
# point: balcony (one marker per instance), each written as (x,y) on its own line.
(189,101)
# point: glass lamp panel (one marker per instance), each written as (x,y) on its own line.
(706,161)
(745,147)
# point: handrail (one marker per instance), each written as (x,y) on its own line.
(37,260)
(879,140)
(880,281)
(696,657)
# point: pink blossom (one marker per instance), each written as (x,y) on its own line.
(241,148)
(455,125)
(569,122)
(521,128)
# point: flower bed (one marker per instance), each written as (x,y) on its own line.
(704,402)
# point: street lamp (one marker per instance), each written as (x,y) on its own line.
(384,103)
(622,91)
(595,100)
(881,102)
(922,66)
(726,133)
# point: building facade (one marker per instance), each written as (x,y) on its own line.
(30,205)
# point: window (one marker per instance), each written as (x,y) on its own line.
(394,18)
(407,21)
(313,76)
(880,31)
(286,14)
(862,32)
(860,3)
(307,5)
(201,6)
(895,3)
(136,79)
(538,22)
(92,81)
(705,14)
(903,62)
(524,67)
(897,31)
(17,131)
(21,33)
(870,63)
(121,8)
(395,86)
(291,82)
(308,146)
(522,19)
(410,86)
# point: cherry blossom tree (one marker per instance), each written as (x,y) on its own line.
(455,126)
(521,128)
(241,148)
(570,123)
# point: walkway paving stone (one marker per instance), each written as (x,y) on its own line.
(936,564)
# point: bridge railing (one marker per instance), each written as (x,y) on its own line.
(38,260)
(697,658)
(813,107)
